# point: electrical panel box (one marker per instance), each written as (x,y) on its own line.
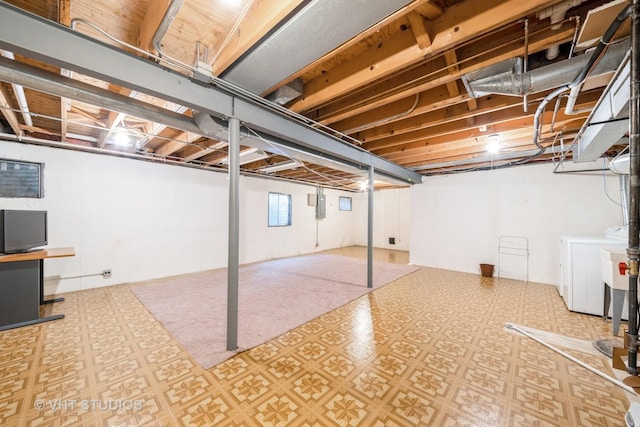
(321,207)
(312,199)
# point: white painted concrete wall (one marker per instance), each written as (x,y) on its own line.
(146,220)
(456,220)
(391,213)
(117,216)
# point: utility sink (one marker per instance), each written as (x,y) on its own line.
(610,271)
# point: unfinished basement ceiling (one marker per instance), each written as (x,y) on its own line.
(391,80)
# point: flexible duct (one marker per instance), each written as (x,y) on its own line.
(550,76)
(579,79)
(620,165)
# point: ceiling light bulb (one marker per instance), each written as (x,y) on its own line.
(121,138)
(493,145)
(364,185)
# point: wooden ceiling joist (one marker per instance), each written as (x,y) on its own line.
(413,81)
(459,23)
(395,88)
(259,20)
(7,111)
(457,112)
(419,30)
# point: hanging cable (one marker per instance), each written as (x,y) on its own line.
(604,184)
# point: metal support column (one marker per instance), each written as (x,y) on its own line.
(234,234)
(370,231)
(634,204)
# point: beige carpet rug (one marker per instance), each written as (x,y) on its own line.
(274,297)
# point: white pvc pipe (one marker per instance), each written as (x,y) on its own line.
(556,13)
(571,102)
(573,359)
(19,92)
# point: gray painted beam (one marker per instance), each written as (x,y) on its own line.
(234,235)
(260,119)
(370,231)
(37,38)
(55,84)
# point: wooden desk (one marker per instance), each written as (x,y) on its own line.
(22,287)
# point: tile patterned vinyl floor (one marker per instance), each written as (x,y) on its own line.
(430,349)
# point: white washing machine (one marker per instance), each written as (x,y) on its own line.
(581,284)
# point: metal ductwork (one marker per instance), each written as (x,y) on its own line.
(621,164)
(286,93)
(608,122)
(313,30)
(504,78)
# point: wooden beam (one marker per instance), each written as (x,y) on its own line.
(447,131)
(88,116)
(451,59)
(429,10)
(400,86)
(424,7)
(461,22)
(150,23)
(179,140)
(210,146)
(419,30)
(393,55)
(64,12)
(435,117)
(7,111)
(458,112)
(36,129)
(114,117)
(261,17)
(365,124)
(507,124)
(64,118)
(472,104)
(473,149)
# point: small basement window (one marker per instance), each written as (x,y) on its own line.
(279,210)
(344,203)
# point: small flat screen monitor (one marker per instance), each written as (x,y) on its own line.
(22,230)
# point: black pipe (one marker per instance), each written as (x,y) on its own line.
(634,191)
